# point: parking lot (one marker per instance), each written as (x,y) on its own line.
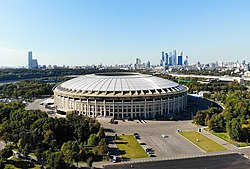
(151,133)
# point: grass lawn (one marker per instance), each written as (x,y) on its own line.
(224,136)
(129,147)
(204,143)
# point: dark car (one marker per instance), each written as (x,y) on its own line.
(136,134)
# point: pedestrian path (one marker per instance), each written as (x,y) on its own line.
(219,140)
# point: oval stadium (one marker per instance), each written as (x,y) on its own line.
(121,95)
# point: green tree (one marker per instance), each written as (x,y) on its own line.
(89,161)
(9,166)
(55,161)
(6,153)
(93,140)
(199,118)
(217,123)
(101,148)
(67,151)
(234,129)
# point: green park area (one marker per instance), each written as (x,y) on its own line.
(225,136)
(15,163)
(201,141)
(129,147)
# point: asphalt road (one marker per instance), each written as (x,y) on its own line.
(229,161)
(172,146)
(36,105)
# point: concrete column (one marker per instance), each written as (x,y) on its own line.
(174,104)
(153,108)
(185,101)
(95,113)
(88,108)
(113,108)
(104,107)
(132,109)
(182,101)
(69,105)
(122,110)
(80,106)
(168,105)
(145,109)
(74,104)
(63,102)
(161,108)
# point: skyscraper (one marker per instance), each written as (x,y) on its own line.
(174,58)
(138,63)
(170,59)
(162,59)
(148,65)
(162,56)
(30,60)
(166,59)
(32,63)
(186,61)
(180,62)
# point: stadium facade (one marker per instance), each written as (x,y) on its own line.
(121,95)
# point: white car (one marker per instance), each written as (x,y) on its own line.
(164,135)
(114,160)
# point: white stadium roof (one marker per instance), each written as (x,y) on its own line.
(120,82)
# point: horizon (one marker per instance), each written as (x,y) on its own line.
(117,32)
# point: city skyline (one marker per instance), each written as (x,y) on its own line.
(115,32)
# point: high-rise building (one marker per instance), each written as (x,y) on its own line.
(186,61)
(180,62)
(32,63)
(30,60)
(138,63)
(148,65)
(162,59)
(166,59)
(170,59)
(162,56)
(174,58)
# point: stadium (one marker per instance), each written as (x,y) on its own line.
(121,95)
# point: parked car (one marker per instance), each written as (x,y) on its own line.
(147,149)
(150,152)
(114,160)
(164,135)
(136,134)
(152,155)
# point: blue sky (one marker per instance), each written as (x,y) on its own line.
(84,32)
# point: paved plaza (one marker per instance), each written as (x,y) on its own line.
(173,145)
